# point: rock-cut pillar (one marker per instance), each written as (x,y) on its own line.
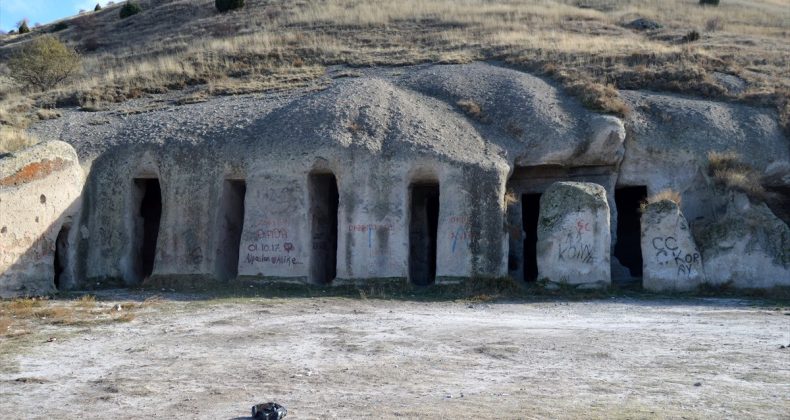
(671,260)
(573,235)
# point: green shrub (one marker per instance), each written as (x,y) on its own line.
(97,8)
(23,28)
(130,9)
(43,63)
(225,5)
(709,2)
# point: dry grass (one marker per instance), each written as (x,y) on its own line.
(5,325)
(729,171)
(14,139)
(510,198)
(667,194)
(23,315)
(48,114)
(281,44)
(472,109)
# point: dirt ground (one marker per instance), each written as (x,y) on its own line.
(182,357)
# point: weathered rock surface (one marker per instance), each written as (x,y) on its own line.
(573,235)
(671,260)
(748,247)
(670,137)
(244,164)
(40,189)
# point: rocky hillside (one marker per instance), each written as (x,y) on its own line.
(738,50)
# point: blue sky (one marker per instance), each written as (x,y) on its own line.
(42,11)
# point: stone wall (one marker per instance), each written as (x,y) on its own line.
(40,191)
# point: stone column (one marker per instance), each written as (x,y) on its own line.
(671,260)
(573,235)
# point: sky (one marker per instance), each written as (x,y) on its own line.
(41,11)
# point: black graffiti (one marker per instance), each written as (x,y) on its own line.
(667,246)
(664,244)
(575,251)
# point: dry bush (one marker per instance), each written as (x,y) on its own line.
(14,139)
(729,171)
(471,109)
(48,114)
(723,161)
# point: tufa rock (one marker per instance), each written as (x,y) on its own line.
(748,247)
(671,259)
(573,235)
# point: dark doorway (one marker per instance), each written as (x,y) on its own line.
(150,213)
(231,225)
(423,230)
(324,200)
(530,210)
(628,248)
(61,254)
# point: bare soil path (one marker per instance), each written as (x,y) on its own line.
(357,358)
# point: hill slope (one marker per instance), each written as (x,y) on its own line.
(588,45)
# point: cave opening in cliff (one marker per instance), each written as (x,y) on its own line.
(423,231)
(628,248)
(231,223)
(149,217)
(530,210)
(61,254)
(324,202)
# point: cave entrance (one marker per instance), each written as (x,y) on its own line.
(628,248)
(150,214)
(423,231)
(530,210)
(324,201)
(230,228)
(61,254)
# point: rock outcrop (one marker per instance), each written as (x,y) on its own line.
(573,235)
(672,261)
(748,247)
(40,189)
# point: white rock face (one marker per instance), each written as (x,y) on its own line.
(573,235)
(40,189)
(671,260)
(749,247)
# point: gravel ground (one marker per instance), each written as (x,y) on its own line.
(369,358)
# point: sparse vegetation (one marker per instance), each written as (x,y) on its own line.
(227,5)
(665,194)
(44,63)
(20,316)
(48,114)
(589,50)
(130,9)
(97,8)
(14,139)
(729,171)
(709,2)
(471,109)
